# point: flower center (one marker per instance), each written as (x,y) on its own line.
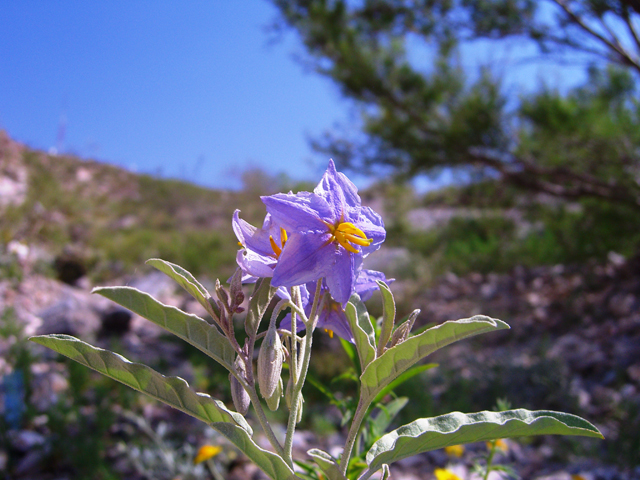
(346,234)
(277,249)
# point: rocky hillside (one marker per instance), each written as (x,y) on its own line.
(67,224)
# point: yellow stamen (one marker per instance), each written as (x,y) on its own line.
(346,233)
(330,332)
(276,249)
(283,236)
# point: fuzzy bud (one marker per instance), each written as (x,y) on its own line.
(401,333)
(222,294)
(300,407)
(235,291)
(239,395)
(273,402)
(288,394)
(270,361)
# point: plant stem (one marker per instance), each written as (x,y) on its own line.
(262,418)
(310,325)
(489,460)
(361,411)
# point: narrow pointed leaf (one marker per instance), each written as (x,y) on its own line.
(412,372)
(327,464)
(362,330)
(388,316)
(387,367)
(352,352)
(191,328)
(183,278)
(456,428)
(386,415)
(386,473)
(262,295)
(270,463)
(173,391)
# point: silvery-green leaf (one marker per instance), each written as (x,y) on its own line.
(183,278)
(388,316)
(173,391)
(191,328)
(260,299)
(362,330)
(384,369)
(327,464)
(456,428)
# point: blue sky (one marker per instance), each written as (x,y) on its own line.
(190,89)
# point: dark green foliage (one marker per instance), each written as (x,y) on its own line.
(399,61)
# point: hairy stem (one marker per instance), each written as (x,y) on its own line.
(354,430)
(262,418)
(305,353)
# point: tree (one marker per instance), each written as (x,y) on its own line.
(420,119)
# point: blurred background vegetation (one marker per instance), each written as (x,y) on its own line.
(539,180)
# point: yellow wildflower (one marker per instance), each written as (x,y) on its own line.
(499,445)
(454,450)
(206,452)
(444,474)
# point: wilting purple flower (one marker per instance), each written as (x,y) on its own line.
(329,233)
(332,317)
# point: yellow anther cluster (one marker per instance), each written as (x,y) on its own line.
(346,234)
(277,249)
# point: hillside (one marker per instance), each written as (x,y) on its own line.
(67,224)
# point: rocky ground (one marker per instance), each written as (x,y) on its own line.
(574,346)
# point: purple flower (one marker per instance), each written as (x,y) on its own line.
(261,247)
(329,233)
(332,317)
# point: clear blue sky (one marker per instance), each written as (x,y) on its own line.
(189,89)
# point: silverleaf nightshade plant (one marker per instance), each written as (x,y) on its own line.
(307,259)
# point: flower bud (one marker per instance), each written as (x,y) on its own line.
(239,395)
(235,291)
(270,361)
(222,295)
(273,402)
(300,408)
(401,333)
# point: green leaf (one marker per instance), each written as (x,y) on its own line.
(327,464)
(173,391)
(388,316)
(455,428)
(386,474)
(387,367)
(260,299)
(184,279)
(386,415)
(412,372)
(352,352)
(191,328)
(362,329)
